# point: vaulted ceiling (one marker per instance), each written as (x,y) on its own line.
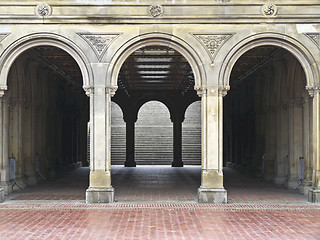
(155,68)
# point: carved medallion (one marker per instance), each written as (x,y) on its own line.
(99,42)
(212,42)
(269,10)
(43,10)
(156,10)
(315,37)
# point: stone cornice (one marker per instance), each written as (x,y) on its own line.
(132,12)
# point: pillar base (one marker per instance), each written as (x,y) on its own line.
(1,195)
(177,164)
(314,195)
(279,180)
(305,187)
(7,187)
(291,183)
(100,195)
(130,164)
(212,195)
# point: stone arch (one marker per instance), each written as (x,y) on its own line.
(159,39)
(296,48)
(40,39)
(167,102)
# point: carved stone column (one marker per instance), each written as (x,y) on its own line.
(314,192)
(100,189)
(4,145)
(130,142)
(177,142)
(211,189)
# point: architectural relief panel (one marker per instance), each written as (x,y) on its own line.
(212,42)
(99,42)
(315,37)
(3,36)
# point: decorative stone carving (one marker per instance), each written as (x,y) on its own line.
(156,10)
(212,42)
(99,42)
(111,90)
(315,37)
(311,90)
(223,90)
(269,10)
(43,10)
(89,90)
(3,36)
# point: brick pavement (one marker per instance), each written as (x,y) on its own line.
(256,209)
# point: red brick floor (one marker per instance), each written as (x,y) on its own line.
(158,203)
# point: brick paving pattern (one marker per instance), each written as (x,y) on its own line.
(256,209)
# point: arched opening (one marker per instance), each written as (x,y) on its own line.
(46,111)
(155,86)
(191,135)
(267,115)
(153,135)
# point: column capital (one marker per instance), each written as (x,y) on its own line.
(2,90)
(111,90)
(89,90)
(201,91)
(223,90)
(312,90)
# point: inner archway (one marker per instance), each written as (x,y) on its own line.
(46,114)
(155,86)
(267,115)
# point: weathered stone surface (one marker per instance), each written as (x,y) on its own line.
(1,195)
(212,195)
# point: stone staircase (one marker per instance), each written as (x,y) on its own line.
(154,136)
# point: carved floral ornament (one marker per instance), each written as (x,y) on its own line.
(155,10)
(222,91)
(99,42)
(43,10)
(212,42)
(269,10)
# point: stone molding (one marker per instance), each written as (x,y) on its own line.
(269,10)
(201,91)
(213,42)
(43,10)
(314,37)
(312,89)
(99,42)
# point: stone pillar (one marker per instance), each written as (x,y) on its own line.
(211,189)
(307,174)
(100,189)
(314,192)
(177,142)
(130,142)
(282,143)
(295,142)
(4,145)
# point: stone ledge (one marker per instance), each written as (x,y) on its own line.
(100,195)
(212,195)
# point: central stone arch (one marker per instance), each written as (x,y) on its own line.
(152,39)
